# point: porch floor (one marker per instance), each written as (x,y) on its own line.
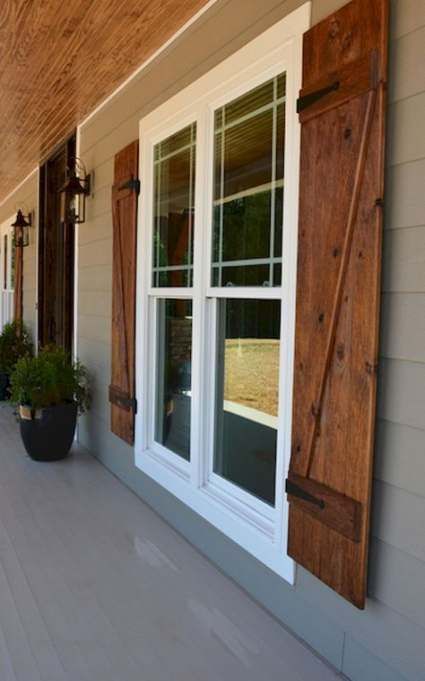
(94,586)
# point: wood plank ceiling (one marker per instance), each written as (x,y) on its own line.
(59,59)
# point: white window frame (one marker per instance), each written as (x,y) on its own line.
(8,293)
(259,528)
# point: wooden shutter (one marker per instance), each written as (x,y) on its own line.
(19,282)
(341,107)
(124,213)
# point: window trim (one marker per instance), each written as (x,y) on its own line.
(257,527)
(7,294)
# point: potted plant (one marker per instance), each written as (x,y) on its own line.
(50,391)
(15,342)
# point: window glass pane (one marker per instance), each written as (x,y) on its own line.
(174,362)
(248,187)
(174,202)
(246,411)
(249,275)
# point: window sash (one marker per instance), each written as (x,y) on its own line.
(210,475)
(200,472)
(7,264)
(200,469)
(160,198)
(219,134)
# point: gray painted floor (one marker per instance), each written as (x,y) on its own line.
(94,586)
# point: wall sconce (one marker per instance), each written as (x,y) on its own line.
(74,193)
(21,235)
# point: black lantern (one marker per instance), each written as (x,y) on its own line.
(21,235)
(74,192)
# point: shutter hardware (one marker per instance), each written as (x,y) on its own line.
(312,97)
(133,184)
(295,491)
(121,399)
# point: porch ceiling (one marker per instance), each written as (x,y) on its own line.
(60,59)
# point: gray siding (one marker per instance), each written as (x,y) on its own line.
(26,197)
(386,642)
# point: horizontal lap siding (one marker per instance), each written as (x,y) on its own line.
(405,202)
(26,197)
(397,572)
(386,641)
(400,459)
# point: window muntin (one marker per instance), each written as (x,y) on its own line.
(247,394)
(248,187)
(173,209)
(174,375)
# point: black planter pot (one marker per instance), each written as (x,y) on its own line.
(50,437)
(4,387)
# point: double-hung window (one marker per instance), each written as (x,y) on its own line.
(216,290)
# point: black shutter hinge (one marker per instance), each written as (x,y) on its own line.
(122,399)
(295,491)
(133,184)
(312,97)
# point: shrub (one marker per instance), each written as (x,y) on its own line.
(15,342)
(49,379)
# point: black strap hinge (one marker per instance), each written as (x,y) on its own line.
(312,97)
(122,399)
(133,184)
(296,491)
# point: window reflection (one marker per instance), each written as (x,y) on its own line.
(247,394)
(174,200)
(174,375)
(248,187)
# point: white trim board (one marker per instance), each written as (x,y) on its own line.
(257,527)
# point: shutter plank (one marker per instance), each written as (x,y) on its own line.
(338,285)
(124,215)
(338,87)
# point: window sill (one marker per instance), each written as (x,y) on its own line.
(244,529)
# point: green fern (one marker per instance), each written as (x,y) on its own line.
(50,379)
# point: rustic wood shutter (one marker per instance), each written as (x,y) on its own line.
(124,214)
(342,114)
(18,302)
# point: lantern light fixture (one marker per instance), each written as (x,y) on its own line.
(21,226)
(74,192)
